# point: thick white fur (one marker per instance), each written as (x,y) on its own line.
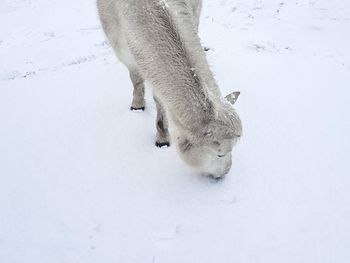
(157,39)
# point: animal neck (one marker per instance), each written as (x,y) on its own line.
(182,15)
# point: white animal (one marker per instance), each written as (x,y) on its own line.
(157,40)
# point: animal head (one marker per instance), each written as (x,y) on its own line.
(208,149)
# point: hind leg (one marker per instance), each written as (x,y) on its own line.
(114,32)
(162,137)
(138,101)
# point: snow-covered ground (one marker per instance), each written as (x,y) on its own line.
(81,179)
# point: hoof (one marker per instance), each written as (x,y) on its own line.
(162,144)
(137,109)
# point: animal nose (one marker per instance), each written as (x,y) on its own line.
(220,175)
(217,176)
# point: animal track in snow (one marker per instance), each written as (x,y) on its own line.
(81,60)
(17,75)
(269,47)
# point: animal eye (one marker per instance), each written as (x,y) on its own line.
(185,145)
(220,156)
(208,133)
(216,143)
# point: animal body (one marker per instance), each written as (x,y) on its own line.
(157,40)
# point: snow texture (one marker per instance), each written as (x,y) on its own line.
(81,179)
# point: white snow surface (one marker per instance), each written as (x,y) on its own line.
(81,179)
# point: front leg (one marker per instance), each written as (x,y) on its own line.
(162,137)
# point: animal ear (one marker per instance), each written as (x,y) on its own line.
(232,97)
